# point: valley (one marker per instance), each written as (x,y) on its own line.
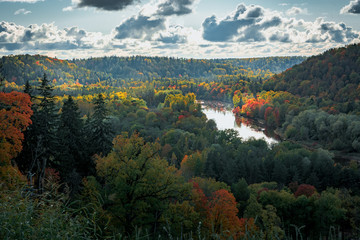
(143,147)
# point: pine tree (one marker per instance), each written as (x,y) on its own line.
(70,153)
(28,89)
(100,130)
(40,140)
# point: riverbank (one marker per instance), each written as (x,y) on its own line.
(224,118)
(251,127)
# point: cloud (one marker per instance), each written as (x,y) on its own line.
(256,24)
(22,11)
(173,35)
(245,23)
(22,1)
(47,37)
(174,7)
(280,37)
(296,11)
(352,8)
(151,22)
(139,27)
(107,5)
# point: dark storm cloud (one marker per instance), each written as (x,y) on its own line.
(353,8)
(139,26)
(175,7)
(108,5)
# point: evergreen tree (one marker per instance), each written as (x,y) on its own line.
(100,140)
(28,89)
(40,140)
(70,153)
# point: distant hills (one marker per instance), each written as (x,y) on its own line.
(22,68)
(333,75)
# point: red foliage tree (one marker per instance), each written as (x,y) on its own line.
(15,113)
(305,189)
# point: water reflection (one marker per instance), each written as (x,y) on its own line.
(247,128)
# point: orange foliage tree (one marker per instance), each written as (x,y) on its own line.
(15,113)
(219,211)
(222,217)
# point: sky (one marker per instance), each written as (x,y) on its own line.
(70,29)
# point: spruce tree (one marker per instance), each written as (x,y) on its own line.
(28,89)
(40,140)
(100,130)
(70,153)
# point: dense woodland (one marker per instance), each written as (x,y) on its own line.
(92,149)
(108,70)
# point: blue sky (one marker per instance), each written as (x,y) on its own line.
(179,28)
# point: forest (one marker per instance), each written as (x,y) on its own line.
(119,148)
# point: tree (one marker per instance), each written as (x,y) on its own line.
(40,143)
(241,193)
(271,223)
(28,89)
(222,217)
(71,155)
(328,212)
(101,134)
(138,183)
(305,189)
(15,114)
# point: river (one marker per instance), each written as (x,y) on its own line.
(247,128)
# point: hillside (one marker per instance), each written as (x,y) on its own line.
(22,68)
(273,64)
(333,75)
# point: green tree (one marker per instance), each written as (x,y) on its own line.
(40,140)
(71,155)
(100,135)
(241,193)
(138,183)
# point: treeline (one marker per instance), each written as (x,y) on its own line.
(273,64)
(107,70)
(22,68)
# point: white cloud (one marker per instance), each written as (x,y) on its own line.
(22,11)
(296,11)
(68,9)
(48,37)
(254,23)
